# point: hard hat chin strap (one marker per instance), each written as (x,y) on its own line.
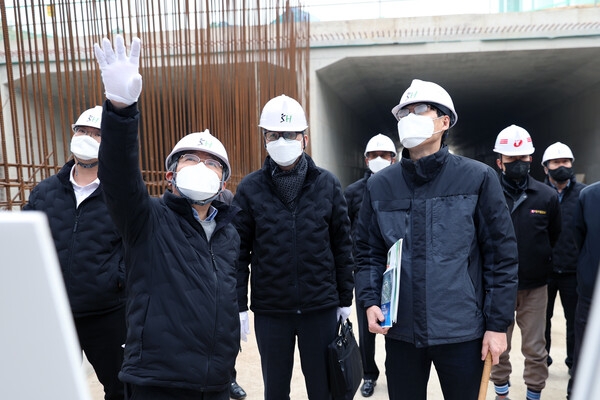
(90,165)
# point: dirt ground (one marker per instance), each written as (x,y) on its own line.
(249,373)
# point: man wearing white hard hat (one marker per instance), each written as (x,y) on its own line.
(459,264)
(89,249)
(558,165)
(295,234)
(180,250)
(379,154)
(535,212)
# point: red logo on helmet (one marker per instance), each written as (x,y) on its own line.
(518,143)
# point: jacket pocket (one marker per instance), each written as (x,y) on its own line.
(393,219)
(453,225)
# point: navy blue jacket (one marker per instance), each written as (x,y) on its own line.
(565,251)
(88,245)
(301,259)
(182,313)
(459,255)
(537,221)
(587,231)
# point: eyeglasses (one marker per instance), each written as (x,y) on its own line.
(80,131)
(271,136)
(418,109)
(194,159)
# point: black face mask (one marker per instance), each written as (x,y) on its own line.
(517,170)
(561,174)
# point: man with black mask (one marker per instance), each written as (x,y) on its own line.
(535,212)
(558,166)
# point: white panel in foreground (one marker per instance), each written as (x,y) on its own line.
(39,351)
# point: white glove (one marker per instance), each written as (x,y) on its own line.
(344,312)
(244,326)
(120,75)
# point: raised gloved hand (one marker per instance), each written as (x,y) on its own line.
(120,74)
(344,312)
(244,326)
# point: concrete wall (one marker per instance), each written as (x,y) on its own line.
(335,144)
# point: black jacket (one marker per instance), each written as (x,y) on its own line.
(354,194)
(88,245)
(459,255)
(301,260)
(587,236)
(182,313)
(537,222)
(565,251)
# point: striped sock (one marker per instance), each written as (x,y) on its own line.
(533,395)
(502,390)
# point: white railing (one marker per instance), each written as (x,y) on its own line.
(338,10)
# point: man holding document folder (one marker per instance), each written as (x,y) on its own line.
(445,219)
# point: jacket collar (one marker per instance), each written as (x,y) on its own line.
(311,173)
(182,207)
(424,169)
(64,175)
(572,182)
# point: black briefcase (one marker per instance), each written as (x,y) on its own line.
(345,365)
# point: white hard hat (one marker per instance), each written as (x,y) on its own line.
(202,141)
(283,114)
(381,142)
(557,150)
(514,141)
(91,117)
(430,93)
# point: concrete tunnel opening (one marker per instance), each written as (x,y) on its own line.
(549,88)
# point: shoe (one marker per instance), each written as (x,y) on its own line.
(236,392)
(368,387)
(549,360)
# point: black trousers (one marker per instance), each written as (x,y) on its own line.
(582,312)
(276,338)
(101,338)
(366,344)
(135,392)
(407,368)
(566,285)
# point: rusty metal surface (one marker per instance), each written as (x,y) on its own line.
(205,65)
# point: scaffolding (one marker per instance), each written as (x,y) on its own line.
(205,65)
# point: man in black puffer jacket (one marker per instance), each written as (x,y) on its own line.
(89,250)
(180,250)
(587,237)
(295,233)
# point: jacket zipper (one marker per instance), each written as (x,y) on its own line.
(216,310)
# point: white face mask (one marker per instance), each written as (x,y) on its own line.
(84,147)
(414,130)
(284,152)
(197,182)
(377,164)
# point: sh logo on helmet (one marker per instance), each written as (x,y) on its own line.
(285,118)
